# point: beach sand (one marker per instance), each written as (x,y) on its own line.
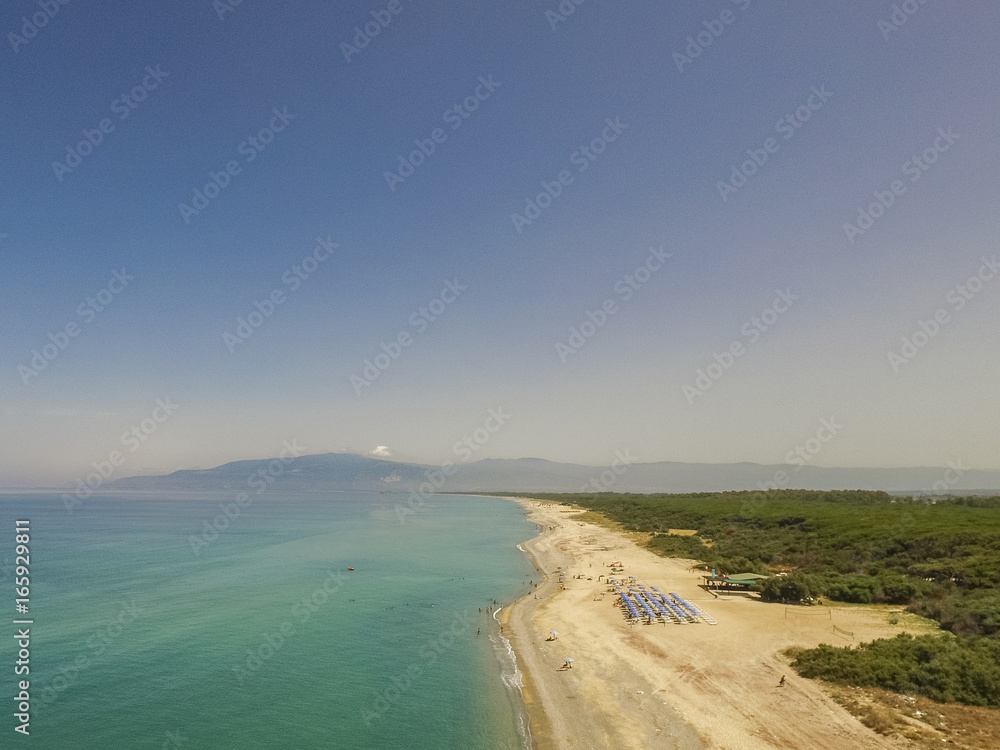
(669,686)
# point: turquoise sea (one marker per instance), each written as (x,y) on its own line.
(258,636)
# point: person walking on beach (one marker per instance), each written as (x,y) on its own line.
(781,682)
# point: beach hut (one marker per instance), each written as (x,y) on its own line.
(737,581)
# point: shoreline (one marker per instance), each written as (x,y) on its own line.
(538,723)
(556,723)
(685,687)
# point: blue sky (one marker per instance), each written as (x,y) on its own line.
(889,94)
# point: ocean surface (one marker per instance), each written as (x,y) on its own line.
(150,631)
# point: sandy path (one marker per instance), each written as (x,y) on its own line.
(668,686)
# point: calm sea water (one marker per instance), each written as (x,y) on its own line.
(263,639)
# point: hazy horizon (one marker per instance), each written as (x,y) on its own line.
(571,228)
(951,479)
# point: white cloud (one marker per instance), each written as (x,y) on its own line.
(381,451)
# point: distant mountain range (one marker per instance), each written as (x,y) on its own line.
(344,471)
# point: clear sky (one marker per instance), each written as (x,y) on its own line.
(398,172)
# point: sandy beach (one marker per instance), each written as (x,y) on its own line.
(669,685)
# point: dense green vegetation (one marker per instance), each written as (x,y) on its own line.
(966,670)
(940,558)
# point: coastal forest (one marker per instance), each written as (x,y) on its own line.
(938,557)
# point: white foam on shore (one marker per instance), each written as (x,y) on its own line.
(510,675)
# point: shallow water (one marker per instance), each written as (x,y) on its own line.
(258,636)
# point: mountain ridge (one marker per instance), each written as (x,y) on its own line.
(348,471)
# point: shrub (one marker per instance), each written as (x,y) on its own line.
(793,588)
(944,668)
